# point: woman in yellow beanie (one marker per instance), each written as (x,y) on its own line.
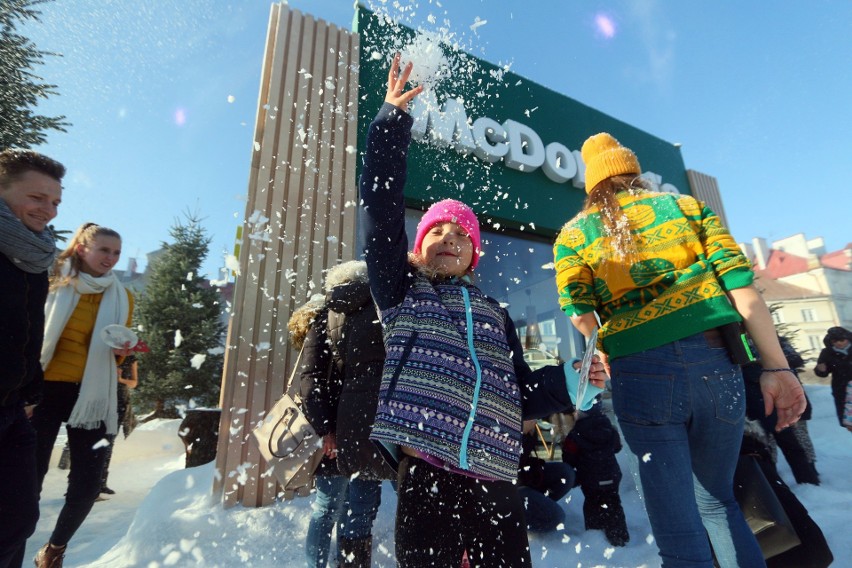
(663,275)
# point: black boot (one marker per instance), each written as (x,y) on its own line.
(355,552)
(805,472)
(603,511)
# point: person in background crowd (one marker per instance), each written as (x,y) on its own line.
(80,374)
(590,448)
(666,278)
(794,441)
(455,385)
(836,360)
(541,485)
(340,370)
(813,550)
(30,193)
(128,379)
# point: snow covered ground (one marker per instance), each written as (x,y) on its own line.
(163,515)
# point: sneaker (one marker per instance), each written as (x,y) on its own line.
(107,491)
(49,557)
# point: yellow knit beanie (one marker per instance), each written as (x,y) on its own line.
(605,157)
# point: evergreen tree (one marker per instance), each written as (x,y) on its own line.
(179,316)
(20,87)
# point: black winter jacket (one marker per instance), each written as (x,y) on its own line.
(838,365)
(21,333)
(347,335)
(590,448)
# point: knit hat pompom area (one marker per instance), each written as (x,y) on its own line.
(605,157)
(450,211)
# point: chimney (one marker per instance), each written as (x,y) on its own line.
(131,266)
(761,252)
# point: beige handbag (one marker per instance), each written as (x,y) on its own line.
(288,442)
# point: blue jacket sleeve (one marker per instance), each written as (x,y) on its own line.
(543,391)
(382,219)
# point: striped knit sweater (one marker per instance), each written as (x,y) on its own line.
(449,388)
(672,288)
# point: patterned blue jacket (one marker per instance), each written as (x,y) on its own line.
(455,385)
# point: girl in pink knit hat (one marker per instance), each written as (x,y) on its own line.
(455,386)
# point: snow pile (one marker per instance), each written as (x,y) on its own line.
(164,515)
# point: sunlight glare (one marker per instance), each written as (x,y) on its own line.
(605,26)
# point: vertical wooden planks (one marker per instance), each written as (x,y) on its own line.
(300,177)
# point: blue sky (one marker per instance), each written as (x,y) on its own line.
(162,96)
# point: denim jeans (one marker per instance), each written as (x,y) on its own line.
(351,504)
(681,408)
(542,510)
(18,484)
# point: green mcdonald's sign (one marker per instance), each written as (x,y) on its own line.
(508,147)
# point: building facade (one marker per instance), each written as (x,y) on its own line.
(809,289)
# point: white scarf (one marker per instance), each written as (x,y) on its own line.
(98,398)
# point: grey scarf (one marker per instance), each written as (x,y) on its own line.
(30,251)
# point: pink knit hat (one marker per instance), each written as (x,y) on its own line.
(450,211)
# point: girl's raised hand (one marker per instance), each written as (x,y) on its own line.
(396,95)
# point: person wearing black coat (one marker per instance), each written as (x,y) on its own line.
(590,448)
(813,550)
(836,360)
(340,371)
(794,441)
(541,484)
(30,190)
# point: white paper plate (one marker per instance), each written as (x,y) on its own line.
(117,335)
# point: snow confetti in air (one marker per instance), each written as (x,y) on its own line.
(197,360)
(232,263)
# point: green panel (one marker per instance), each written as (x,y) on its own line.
(500,195)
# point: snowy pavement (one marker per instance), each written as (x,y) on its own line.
(163,515)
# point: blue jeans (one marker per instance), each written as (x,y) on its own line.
(681,408)
(350,504)
(542,510)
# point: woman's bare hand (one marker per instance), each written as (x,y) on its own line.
(783,392)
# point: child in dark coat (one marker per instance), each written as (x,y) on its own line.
(542,484)
(590,448)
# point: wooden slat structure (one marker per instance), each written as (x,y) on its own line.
(300,219)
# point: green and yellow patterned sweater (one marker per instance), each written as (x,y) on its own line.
(673,287)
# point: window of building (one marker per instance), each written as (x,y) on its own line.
(815,342)
(808,314)
(777,317)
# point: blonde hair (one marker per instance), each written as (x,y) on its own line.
(85,235)
(614,219)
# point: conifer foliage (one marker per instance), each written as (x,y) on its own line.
(20,87)
(179,316)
